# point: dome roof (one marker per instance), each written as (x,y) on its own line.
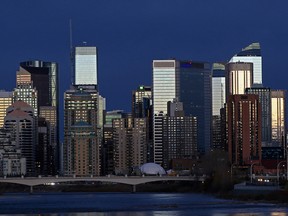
(152,169)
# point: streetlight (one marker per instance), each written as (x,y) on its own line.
(251,167)
(278,171)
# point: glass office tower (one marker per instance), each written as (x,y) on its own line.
(218,101)
(190,83)
(252,54)
(164,90)
(85,66)
(265,101)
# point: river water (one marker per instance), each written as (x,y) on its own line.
(126,204)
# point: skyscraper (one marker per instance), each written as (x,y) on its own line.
(218,101)
(244,129)
(82,124)
(81,147)
(142,108)
(239,76)
(85,66)
(265,101)
(44,78)
(25,91)
(190,83)
(20,122)
(252,54)
(278,115)
(179,135)
(130,143)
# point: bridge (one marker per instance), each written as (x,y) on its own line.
(129,180)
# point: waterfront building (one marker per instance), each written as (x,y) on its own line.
(218,101)
(20,122)
(278,115)
(251,54)
(6,100)
(190,82)
(239,76)
(179,135)
(244,129)
(265,101)
(81,148)
(130,143)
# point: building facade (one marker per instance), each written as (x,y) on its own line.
(85,66)
(20,122)
(244,129)
(81,148)
(239,76)
(6,100)
(130,142)
(265,101)
(278,115)
(190,82)
(252,54)
(218,101)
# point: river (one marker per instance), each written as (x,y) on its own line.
(126,204)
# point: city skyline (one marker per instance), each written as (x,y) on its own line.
(129,39)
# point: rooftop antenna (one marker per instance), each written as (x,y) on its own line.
(71,53)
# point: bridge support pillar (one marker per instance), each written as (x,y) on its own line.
(134,188)
(31,189)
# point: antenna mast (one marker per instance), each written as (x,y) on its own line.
(71,53)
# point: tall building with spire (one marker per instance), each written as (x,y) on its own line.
(83,109)
(251,54)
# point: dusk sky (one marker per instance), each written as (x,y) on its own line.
(130,34)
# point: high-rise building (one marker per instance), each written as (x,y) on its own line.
(44,78)
(265,101)
(190,82)
(141,102)
(12,163)
(25,91)
(20,122)
(130,142)
(142,108)
(107,160)
(218,101)
(179,135)
(81,148)
(239,76)
(6,100)
(85,66)
(244,129)
(252,54)
(278,115)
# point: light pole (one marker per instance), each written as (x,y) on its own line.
(251,168)
(278,171)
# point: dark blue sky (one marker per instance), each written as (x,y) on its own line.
(130,34)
